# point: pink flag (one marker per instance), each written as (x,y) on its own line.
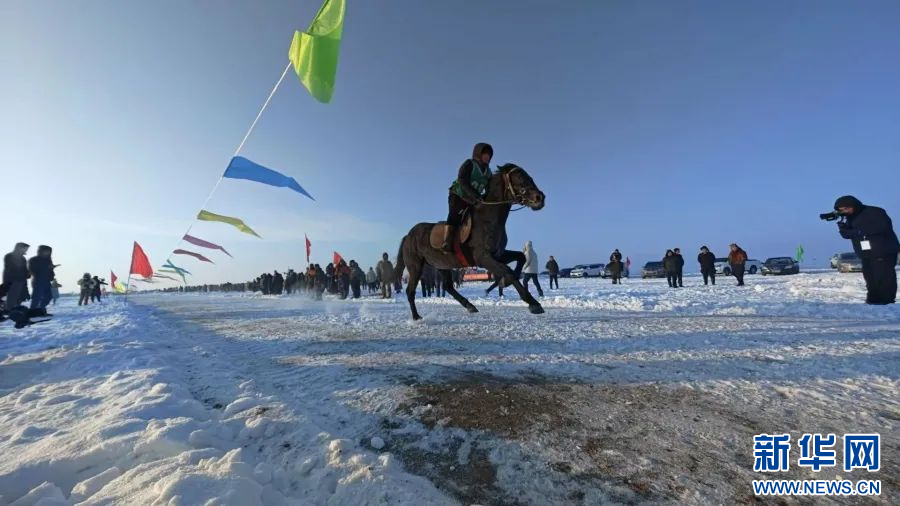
(204,244)
(198,256)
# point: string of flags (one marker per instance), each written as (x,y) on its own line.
(313,54)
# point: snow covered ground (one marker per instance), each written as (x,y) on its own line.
(633,393)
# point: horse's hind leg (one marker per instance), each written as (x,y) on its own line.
(414,267)
(509,256)
(449,288)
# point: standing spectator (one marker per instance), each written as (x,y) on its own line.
(615,267)
(670,264)
(54,290)
(737,259)
(289,281)
(278,283)
(531,268)
(321,282)
(87,288)
(96,290)
(329,274)
(386,273)
(427,281)
(355,275)
(707,263)
(875,242)
(41,269)
(372,280)
(553,270)
(439,283)
(342,273)
(680,263)
(15,275)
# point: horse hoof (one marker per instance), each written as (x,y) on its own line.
(472,309)
(536,309)
(417,317)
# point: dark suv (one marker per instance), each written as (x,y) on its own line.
(653,270)
(780,265)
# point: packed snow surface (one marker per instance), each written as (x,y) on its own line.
(632,393)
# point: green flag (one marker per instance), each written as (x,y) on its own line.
(235,222)
(799,255)
(314,52)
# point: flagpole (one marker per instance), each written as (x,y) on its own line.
(130,268)
(236,152)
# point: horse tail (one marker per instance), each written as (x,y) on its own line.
(401,264)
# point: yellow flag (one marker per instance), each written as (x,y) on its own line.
(235,222)
(314,52)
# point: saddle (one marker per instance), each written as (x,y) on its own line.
(461,237)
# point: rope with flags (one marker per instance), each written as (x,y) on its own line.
(313,54)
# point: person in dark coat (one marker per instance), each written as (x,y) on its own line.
(42,276)
(357,276)
(680,263)
(553,270)
(468,189)
(871,231)
(670,264)
(15,275)
(737,259)
(439,283)
(616,267)
(707,262)
(290,282)
(427,281)
(97,293)
(277,283)
(321,282)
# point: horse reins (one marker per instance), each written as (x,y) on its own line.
(512,193)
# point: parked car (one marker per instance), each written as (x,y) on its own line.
(780,265)
(565,273)
(587,271)
(849,262)
(653,270)
(607,274)
(834,260)
(750,267)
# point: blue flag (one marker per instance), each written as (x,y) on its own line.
(242,168)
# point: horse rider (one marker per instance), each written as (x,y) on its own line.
(469,189)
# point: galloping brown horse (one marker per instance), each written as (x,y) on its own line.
(486,246)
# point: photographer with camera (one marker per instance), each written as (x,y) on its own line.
(874,241)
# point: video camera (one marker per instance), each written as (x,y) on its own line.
(833,215)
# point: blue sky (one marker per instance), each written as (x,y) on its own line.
(649,125)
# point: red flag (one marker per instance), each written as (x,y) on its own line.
(308,247)
(112,279)
(337,258)
(140,264)
(198,256)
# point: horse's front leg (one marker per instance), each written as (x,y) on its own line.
(502,271)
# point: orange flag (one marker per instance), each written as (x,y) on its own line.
(140,264)
(337,258)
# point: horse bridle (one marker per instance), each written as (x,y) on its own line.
(515,197)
